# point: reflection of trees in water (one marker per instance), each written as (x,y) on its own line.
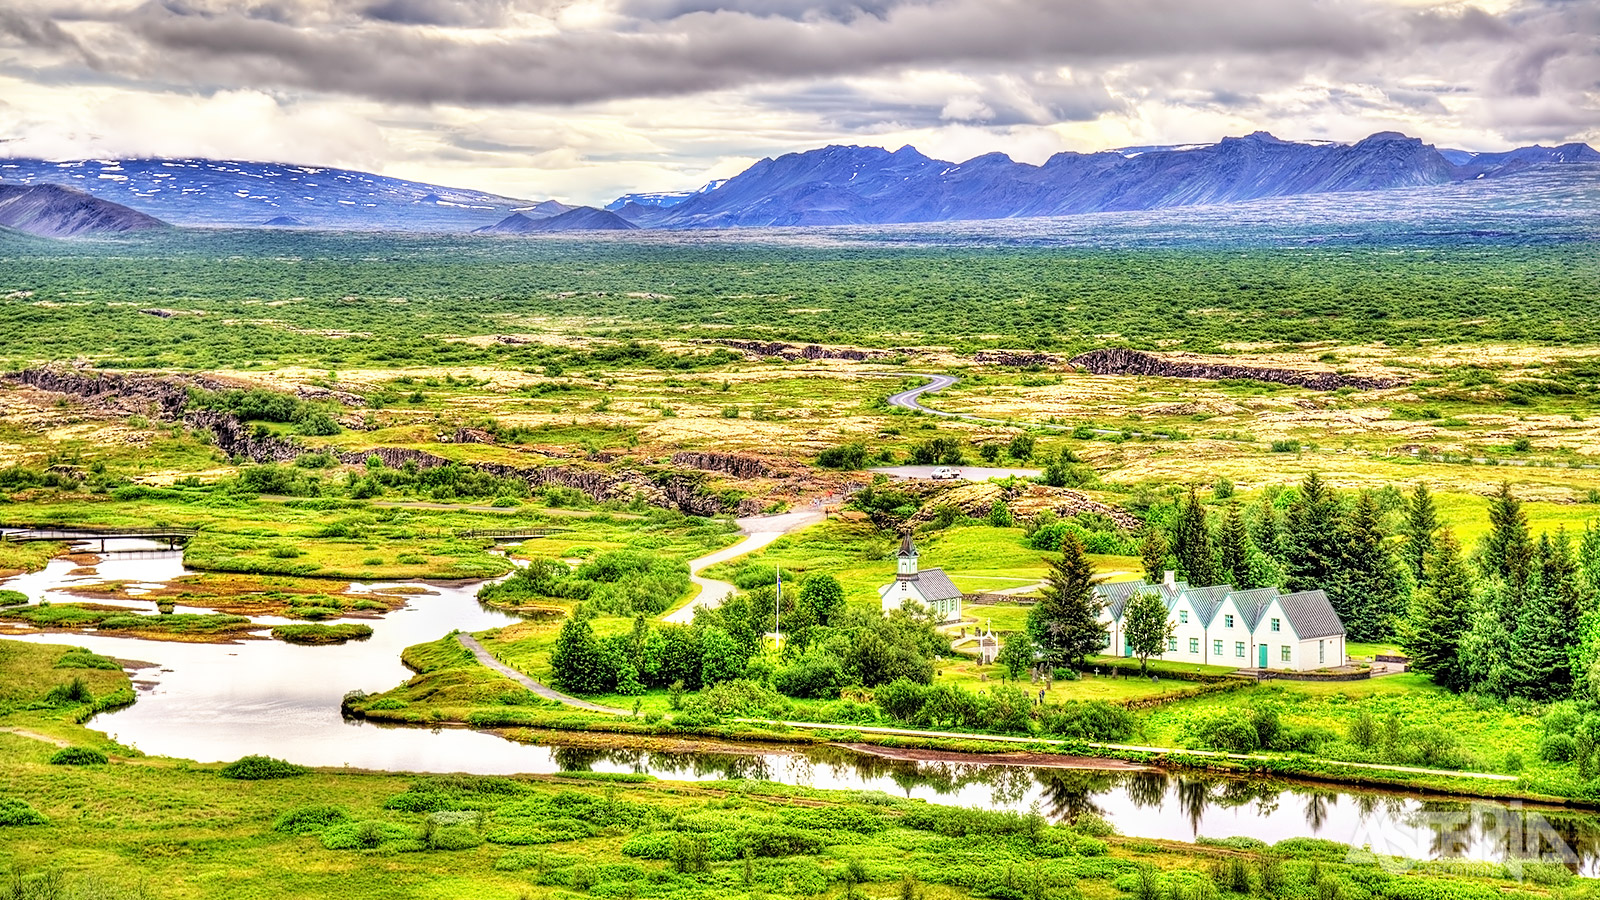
(1069,793)
(1317,803)
(1146,789)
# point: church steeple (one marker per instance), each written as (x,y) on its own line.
(907,557)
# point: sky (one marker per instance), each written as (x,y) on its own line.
(583,100)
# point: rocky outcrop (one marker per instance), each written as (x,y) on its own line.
(160,397)
(239,441)
(1021,359)
(726,463)
(1135,362)
(765,349)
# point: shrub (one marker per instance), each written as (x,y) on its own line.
(310,819)
(78,756)
(780,840)
(17,812)
(72,693)
(366,836)
(12,598)
(79,658)
(1092,720)
(261,768)
(845,456)
(1227,731)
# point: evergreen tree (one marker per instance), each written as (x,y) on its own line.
(1153,554)
(1486,652)
(1548,624)
(577,663)
(1588,560)
(1234,550)
(1065,623)
(1311,541)
(1508,553)
(1191,544)
(1268,530)
(1419,527)
(1440,612)
(1365,588)
(1147,628)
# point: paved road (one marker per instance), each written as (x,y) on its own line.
(471,643)
(759,532)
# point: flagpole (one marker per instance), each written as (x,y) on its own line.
(777,606)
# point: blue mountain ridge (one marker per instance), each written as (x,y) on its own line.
(242,194)
(835,185)
(847,185)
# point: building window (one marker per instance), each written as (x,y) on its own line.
(1283,652)
(1172,644)
(1183,615)
(1322,655)
(1194,645)
(1227,621)
(1238,649)
(1216,648)
(1275,625)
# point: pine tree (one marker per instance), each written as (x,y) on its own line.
(1065,622)
(1148,628)
(1153,554)
(1311,545)
(1234,550)
(1548,624)
(1486,652)
(1269,530)
(1419,527)
(576,662)
(1191,544)
(1365,587)
(1588,560)
(1440,613)
(1508,553)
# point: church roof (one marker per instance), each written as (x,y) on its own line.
(906,547)
(934,584)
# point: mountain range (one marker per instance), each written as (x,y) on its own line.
(836,185)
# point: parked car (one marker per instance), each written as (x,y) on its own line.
(944,472)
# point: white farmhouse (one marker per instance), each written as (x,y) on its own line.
(931,588)
(1219,626)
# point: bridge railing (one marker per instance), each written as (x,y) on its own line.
(18,533)
(510,534)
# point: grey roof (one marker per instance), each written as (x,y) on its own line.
(1252,604)
(934,584)
(1311,615)
(1117,594)
(1207,600)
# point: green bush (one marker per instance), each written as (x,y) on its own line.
(79,658)
(261,768)
(370,835)
(18,812)
(310,819)
(12,598)
(78,756)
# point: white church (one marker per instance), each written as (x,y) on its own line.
(931,588)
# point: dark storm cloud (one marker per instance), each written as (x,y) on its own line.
(695,51)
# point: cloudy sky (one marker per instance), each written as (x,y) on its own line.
(585,99)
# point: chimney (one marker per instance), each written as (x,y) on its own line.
(1170,579)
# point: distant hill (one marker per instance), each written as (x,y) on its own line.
(582,218)
(52,210)
(239,194)
(868,185)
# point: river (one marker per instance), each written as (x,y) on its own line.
(218,702)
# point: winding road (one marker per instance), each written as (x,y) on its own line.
(759,531)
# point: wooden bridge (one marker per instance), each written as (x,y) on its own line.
(73,534)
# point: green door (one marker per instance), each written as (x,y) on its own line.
(1262,652)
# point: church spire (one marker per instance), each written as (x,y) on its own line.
(907,557)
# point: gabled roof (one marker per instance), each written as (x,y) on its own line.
(934,584)
(906,547)
(1252,604)
(1207,600)
(1117,594)
(1311,615)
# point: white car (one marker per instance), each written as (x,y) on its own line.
(944,472)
